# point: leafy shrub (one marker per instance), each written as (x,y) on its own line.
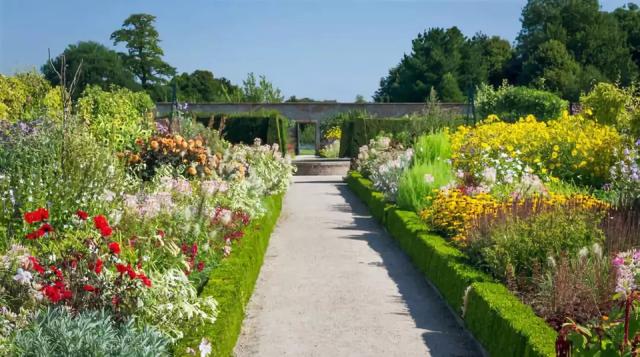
(512,103)
(117,117)
(519,244)
(571,147)
(22,97)
(432,147)
(417,184)
(43,165)
(56,332)
(609,104)
(173,305)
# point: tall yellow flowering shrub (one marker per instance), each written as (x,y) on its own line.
(570,147)
(455,213)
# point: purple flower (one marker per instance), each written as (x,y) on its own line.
(618,261)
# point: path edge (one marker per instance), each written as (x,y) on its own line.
(231,284)
(497,319)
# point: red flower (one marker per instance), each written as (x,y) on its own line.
(36,266)
(132,274)
(114,247)
(56,271)
(100,221)
(34,235)
(106,231)
(38,215)
(121,268)
(82,214)
(46,228)
(145,280)
(89,288)
(98,267)
(160,233)
(200,266)
(56,292)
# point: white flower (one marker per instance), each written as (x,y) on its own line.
(204,347)
(582,253)
(23,276)
(225,217)
(489,174)
(428,178)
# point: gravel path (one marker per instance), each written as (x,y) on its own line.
(335,284)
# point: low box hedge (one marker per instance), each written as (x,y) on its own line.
(499,320)
(231,284)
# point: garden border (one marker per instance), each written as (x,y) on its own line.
(231,284)
(497,319)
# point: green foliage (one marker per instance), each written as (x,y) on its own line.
(255,90)
(22,97)
(52,168)
(357,131)
(591,36)
(269,127)
(231,285)
(201,87)
(504,325)
(57,332)
(517,246)
(432,147)
(144,55)
(118,117)
(628,18)
(98,66)
(615,106)
(553,68)
(446,60)
(331,151)
(419,182)
(173,305)
(511,103)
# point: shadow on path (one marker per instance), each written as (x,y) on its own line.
(426,307)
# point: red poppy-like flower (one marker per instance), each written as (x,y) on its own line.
(82,215)
(38,215)
(106,231)
(34,235)
(46,228)
(100,221)
(200,266)
(145,280)
(74,264)
(36,266)
(89,288)
(114,247)
(160,233)
(132,274)
(115,300)
(98,266)
(56,271)
(121,268)
(57,292)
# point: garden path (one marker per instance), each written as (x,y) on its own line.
(335,284)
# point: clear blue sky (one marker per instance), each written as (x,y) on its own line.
(323,49)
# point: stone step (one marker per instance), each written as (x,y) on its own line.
(316,166)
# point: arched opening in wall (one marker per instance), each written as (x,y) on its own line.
(307,141)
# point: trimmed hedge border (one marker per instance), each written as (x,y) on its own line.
(498,319)
(231,284)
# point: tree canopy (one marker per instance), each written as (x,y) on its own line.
(144,54)
(101,66)
(564,46)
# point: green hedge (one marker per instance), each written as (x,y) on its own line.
(358,131)
(510,103)
(270,126)
(502,323)
(232,283)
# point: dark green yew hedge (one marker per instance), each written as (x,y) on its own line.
(232,283)
(498,320)
(270,126)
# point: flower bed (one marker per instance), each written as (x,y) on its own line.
(540,208)
(146,247)
(486,307)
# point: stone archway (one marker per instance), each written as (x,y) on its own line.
(298,132)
